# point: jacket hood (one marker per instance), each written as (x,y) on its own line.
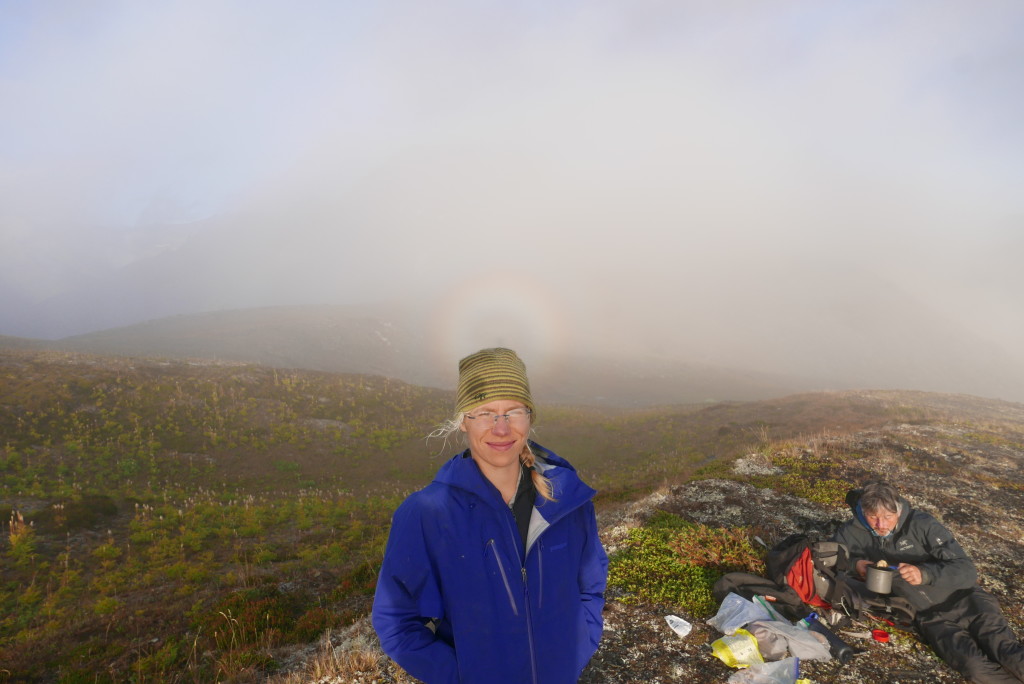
(853,501)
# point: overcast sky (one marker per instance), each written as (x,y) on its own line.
(766,183)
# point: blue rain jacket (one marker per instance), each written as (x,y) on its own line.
(459,599)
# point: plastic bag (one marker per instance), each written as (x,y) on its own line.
(773,646)
(678,625)
(735,612)
(769,608)
(783,671)
(774,638)
(737,650)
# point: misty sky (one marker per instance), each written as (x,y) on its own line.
(785,185)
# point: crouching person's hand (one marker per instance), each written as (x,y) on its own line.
(862,567)
(911,574)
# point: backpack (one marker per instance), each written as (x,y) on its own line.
(802,573)
(816,571)
(860,602)
(783,599)
(813,568)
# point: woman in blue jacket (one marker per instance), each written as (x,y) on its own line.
(494,572)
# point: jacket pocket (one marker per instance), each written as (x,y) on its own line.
(504,576)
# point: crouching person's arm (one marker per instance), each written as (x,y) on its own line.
(948,566)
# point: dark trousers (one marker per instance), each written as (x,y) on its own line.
(973,637)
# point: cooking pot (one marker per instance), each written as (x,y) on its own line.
(879,579)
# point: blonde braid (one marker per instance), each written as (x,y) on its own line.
(540,483)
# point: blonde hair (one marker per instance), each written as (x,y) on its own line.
(453,425)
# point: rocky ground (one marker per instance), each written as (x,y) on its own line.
(976,488)
(968,476)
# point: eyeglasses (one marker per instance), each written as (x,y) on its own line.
(518,418)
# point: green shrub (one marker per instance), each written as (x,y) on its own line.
(163,661)
(360,581)
(313,623)
(806,476)
(723,550)
(22,539)
(264,555)
(286,466)
(107,552)
(106,605)
(257,616)
(675,563)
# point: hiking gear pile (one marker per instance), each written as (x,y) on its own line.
(806,577)
(806,574)
(759,639)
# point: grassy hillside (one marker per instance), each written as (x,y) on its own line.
(179,518)
(186,521)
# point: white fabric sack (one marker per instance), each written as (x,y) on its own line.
(802,643)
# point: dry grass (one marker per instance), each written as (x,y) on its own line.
(348,656)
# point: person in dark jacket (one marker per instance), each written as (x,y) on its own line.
(494,572)
(960,621)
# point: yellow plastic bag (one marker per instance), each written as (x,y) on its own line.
(738,650)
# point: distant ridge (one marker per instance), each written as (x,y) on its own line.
(350,340)
(9,342)
(335,339)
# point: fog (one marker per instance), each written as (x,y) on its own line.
(827,189)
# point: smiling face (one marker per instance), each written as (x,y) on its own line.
(882,521)
(495,446)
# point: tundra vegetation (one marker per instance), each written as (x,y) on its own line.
(199,521)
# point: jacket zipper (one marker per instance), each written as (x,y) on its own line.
(540,575)
(513,531)
(529,629)
(504,578)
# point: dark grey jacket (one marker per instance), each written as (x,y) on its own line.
(919,539)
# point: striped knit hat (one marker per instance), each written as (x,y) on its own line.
(490,375)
